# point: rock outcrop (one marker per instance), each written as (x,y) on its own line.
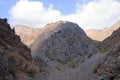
(4,73)
(61,41)
(66,42)
(100,35)
(15,57)
(110,67)
(10,40)
(110,42)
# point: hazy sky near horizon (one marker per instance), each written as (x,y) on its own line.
(88,14)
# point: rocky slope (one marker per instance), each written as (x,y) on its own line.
(61,41)
(8,39)
(15,57)
(100,35)
(110,42)
(109,68)
(65,49)
(28,34)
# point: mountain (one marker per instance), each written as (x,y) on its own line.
(9,39)
(100,35)
(110,42)
(110,67)
(15,57)
(27,34)
(63,45)
(61,41)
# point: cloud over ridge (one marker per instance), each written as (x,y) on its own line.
(95,14)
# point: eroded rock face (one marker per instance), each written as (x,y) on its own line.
(110,42)
(3,66)
(110,67)
(14,55)
(65,44)
(9,40)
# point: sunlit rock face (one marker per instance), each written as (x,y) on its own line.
(100,35)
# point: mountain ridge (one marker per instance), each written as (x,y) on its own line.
(15,57)
(60,40)
(64,45)
(100,35)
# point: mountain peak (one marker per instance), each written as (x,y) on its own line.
(100,35)
(58,41)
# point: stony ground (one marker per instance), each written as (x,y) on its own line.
(83,71)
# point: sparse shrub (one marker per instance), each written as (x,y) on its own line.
(31,74)
(58,68)
(49,57)
(12,69)
(95,69)
(87,43)
(61,61)
(103,50)
(43,72)
(88,56)
(72,64)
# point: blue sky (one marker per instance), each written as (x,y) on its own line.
(96,14)
(66,6)
(5,5)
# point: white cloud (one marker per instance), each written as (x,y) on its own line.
(98,14)
(33,13)
(95,14)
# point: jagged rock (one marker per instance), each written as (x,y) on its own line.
(110,67)
(3,66)
(110,42)
(9,40)
(13,53)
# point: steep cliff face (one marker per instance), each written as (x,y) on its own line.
(64,42)
(110,67)
(9,39)
(4,73)
(15,57)
(100,35)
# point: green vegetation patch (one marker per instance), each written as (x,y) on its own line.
(49,57)
(61,61)
(103,50)
(95,69)
(12,69)
(72,64)
(31,74)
